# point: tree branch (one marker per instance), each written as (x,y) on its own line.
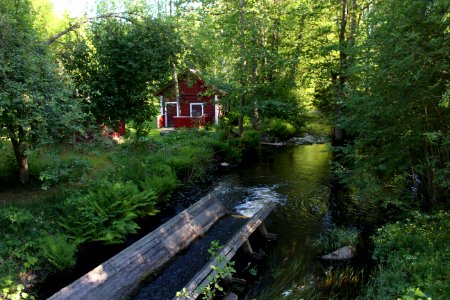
(119,15)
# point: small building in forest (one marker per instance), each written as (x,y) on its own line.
(198,103)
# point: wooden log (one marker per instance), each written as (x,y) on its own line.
(120,275)
(267,235)
(195,287)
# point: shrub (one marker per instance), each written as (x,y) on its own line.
(60,171)
(412,254)
(190,163)
(250,140)
(107,212)
(20,230)
(20,250)
(163,181)
(58,251)
(279,129)
(8,165)
(336,238)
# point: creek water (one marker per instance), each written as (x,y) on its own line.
(295,177)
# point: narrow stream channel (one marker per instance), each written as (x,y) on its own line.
(297,178)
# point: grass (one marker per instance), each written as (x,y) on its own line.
(96,192)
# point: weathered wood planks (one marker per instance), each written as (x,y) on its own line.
(120,275)
(195,287)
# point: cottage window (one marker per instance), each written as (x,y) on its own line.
(196,109)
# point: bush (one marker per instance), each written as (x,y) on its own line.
(21,250)
(336,238)
(250,140)
(190,163)
(58,251)
(162,181)
(107,212)
(20,231)
(279,129)
(61,171)
(8,165)
(412,254)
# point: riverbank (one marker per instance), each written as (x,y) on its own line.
(101,208)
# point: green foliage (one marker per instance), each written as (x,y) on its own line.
(8,165)
(412,253)
(394,103)
(163,185)
(186,155)
(27,247)
(250,140)
(11,291)
(222,270)
(190,162)
(414,294)
(20,231)
(214,248)
(107,212)
(61,171)
(117,64)
(58,251)
(278,128)
(35,103)
(335,238)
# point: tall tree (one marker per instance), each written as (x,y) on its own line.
(398,112)
(35,106)
(117,65)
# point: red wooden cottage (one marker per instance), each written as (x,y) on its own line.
(198,103)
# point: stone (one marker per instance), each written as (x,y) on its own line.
(343,253)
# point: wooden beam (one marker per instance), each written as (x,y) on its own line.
(267,235)
(120,275)
(195,287)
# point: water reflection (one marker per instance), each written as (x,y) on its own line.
(300,175)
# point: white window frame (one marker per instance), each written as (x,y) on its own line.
(192,104)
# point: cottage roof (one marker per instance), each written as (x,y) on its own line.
(187,74)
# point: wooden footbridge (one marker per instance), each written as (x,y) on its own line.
(121,275)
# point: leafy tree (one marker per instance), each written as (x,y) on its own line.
(117,64)
(397,112)
(250,49)
(34,98)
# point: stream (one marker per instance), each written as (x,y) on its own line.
(295,177)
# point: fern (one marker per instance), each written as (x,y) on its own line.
(107,213)
(58,251)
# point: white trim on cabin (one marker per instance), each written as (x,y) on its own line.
(216,110)
(192,104)
(161,106)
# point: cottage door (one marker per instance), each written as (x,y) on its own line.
(171,112)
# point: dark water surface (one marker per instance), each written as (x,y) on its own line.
(298,179)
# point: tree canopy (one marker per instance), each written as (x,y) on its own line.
(35,102)
(118,63)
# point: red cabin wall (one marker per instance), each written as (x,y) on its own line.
(190,92)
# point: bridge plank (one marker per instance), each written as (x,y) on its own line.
(120,275)
(195,287)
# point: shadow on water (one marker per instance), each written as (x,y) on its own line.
(298,178)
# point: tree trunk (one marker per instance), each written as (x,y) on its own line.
(243,63)
(343,48)
(255,115)
(22,161)
(338,134)
(177,90)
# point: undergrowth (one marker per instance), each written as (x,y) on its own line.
(101,196)
(412,258)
